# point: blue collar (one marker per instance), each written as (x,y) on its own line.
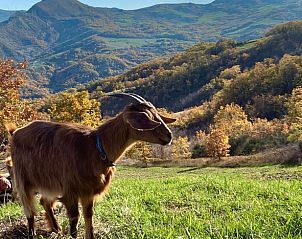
(102,153)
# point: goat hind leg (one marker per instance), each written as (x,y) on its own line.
(49,215)
(28,201)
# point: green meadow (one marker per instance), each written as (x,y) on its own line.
(260,202)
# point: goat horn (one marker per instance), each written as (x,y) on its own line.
(125,95)
(138,96)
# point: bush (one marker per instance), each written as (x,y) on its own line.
(264,134)
(217,144)
(198,151)
(180,148)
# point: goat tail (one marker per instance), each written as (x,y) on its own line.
(11,128)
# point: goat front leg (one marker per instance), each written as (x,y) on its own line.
(87,204)
(31,227)
(72,207)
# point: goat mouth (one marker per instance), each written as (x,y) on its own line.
(165,142)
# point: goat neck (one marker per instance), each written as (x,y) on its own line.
(115,137)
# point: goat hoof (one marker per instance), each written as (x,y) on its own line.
(56,229)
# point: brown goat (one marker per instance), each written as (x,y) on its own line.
(61,160)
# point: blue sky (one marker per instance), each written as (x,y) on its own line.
(123,4)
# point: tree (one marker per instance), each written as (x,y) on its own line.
(217,144)
(198,142)
(295,115)
(230,73)
(141,151)
(288,70)
(232,119)
(12,107)
(267,106)
(180,148)
(75,107)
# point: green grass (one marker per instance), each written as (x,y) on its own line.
(248,45)
(127,42)
(197,203)
(211,17)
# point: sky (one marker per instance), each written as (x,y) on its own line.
(123,4)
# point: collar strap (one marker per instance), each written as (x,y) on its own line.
(102,153)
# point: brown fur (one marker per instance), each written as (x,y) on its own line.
(60,160)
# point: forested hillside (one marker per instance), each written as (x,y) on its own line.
(68,43)
(245,96)
(194,76)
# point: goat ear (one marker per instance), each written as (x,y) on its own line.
(167,120)
(140,121)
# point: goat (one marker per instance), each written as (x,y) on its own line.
(75,163)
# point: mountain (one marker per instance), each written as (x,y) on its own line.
(4,15)
(69,43)
(193,77)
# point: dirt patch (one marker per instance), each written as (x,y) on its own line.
(17,229)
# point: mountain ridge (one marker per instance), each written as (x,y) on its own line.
(55,8)
(5,14)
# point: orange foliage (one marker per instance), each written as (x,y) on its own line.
(217,144)
(12,107)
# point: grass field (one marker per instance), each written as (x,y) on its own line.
(262,202)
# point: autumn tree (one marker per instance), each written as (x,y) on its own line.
(141,151)
(217,144)
(295,114)
(180,148)
(75,107)
(230,73)
(232,119)
(12,107)
(290,72)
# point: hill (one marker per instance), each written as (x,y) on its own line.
(193,77)
(69,43)
(4,15)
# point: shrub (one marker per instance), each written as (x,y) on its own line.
(180,148)
(263,134)
(141,151)
(198,151)
(217,144)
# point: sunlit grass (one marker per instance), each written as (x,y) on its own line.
(197,203)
